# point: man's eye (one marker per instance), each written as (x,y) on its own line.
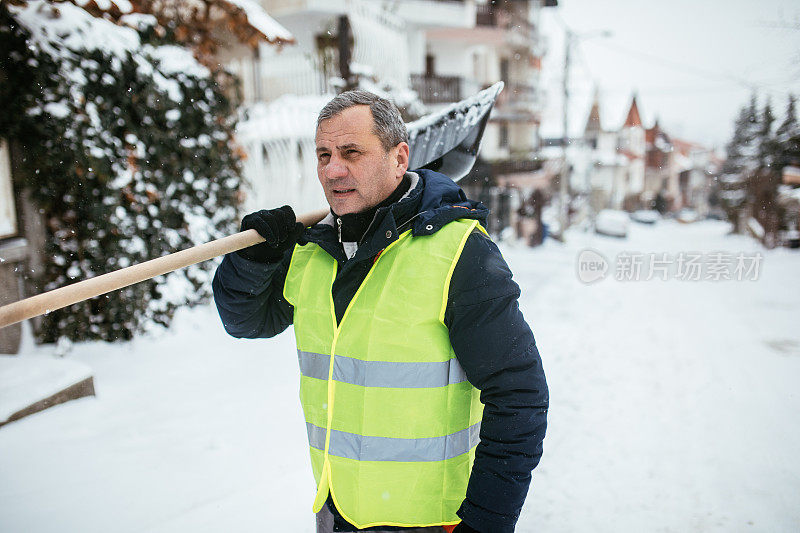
(352,152)
(323,157)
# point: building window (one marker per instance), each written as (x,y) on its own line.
(8,213)
(503,134)
(504,65)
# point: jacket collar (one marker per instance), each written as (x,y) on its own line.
(432,201)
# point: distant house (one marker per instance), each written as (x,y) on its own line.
(661,178)
(631,144)
(634,167)
(608,164)
(424,55)
(696,165)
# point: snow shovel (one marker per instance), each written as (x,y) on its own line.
(446,141)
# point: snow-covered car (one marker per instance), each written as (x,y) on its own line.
(612,222)
(792,238)
(645,216)
(686,216)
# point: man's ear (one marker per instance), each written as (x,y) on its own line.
(402,159)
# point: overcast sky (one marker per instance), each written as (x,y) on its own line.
(693,63)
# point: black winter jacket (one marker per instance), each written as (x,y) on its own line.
(489,335)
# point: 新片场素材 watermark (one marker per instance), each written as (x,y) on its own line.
(592,266)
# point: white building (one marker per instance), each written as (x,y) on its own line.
(609,164)
(431,52)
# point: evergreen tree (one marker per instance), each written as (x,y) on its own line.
(787,136)
(767,146)
(789,126)
(743,148)
(129,156)
(740,164)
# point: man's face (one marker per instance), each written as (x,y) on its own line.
(354,169)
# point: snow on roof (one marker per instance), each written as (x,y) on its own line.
(290,116)
(551,152)
(687,147)
(682,162)
(610,159)
(105,5)
(260,20)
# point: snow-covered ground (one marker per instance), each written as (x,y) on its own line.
(674,407)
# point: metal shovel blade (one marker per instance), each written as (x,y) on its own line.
(447,141)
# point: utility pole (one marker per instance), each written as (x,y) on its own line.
(564,179)
(570,38)
(343,44)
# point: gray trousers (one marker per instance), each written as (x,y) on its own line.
(325,524)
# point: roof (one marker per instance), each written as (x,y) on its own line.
(633,118)
(249,18)
(259,20)
(651,136)
(630,155)
(687,147)
(593,123)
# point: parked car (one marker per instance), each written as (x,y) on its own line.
(645,216)
(686,215)
(791,238)
(612,222)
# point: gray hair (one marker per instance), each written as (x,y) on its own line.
(388,125)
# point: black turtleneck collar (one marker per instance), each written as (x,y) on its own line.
(354,225)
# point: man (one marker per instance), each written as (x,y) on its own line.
(422,387)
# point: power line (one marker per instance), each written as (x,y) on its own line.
(681,66)
(779,25)
(676,65)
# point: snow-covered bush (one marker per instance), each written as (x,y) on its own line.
(127,148)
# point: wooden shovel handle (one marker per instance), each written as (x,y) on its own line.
(83,290)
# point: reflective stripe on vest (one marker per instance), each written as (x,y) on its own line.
(381,373)
(353,446)
(392,421)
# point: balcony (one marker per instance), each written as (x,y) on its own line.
(485,15)
(516,166)
(519,95)
(437,89)
(438,13)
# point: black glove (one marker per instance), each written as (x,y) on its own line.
(280,230)
(464,528)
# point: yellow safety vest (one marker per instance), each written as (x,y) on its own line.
(392,420)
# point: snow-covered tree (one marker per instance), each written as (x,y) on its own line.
(787,136)
(127,147)
(789,127)
(740,162)
(767,149)
(742,150)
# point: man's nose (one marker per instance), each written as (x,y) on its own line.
(335,168)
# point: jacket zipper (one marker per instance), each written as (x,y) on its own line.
(361,240)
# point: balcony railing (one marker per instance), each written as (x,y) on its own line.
(518,166)
(437,89)
(485,15)
(515,94)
